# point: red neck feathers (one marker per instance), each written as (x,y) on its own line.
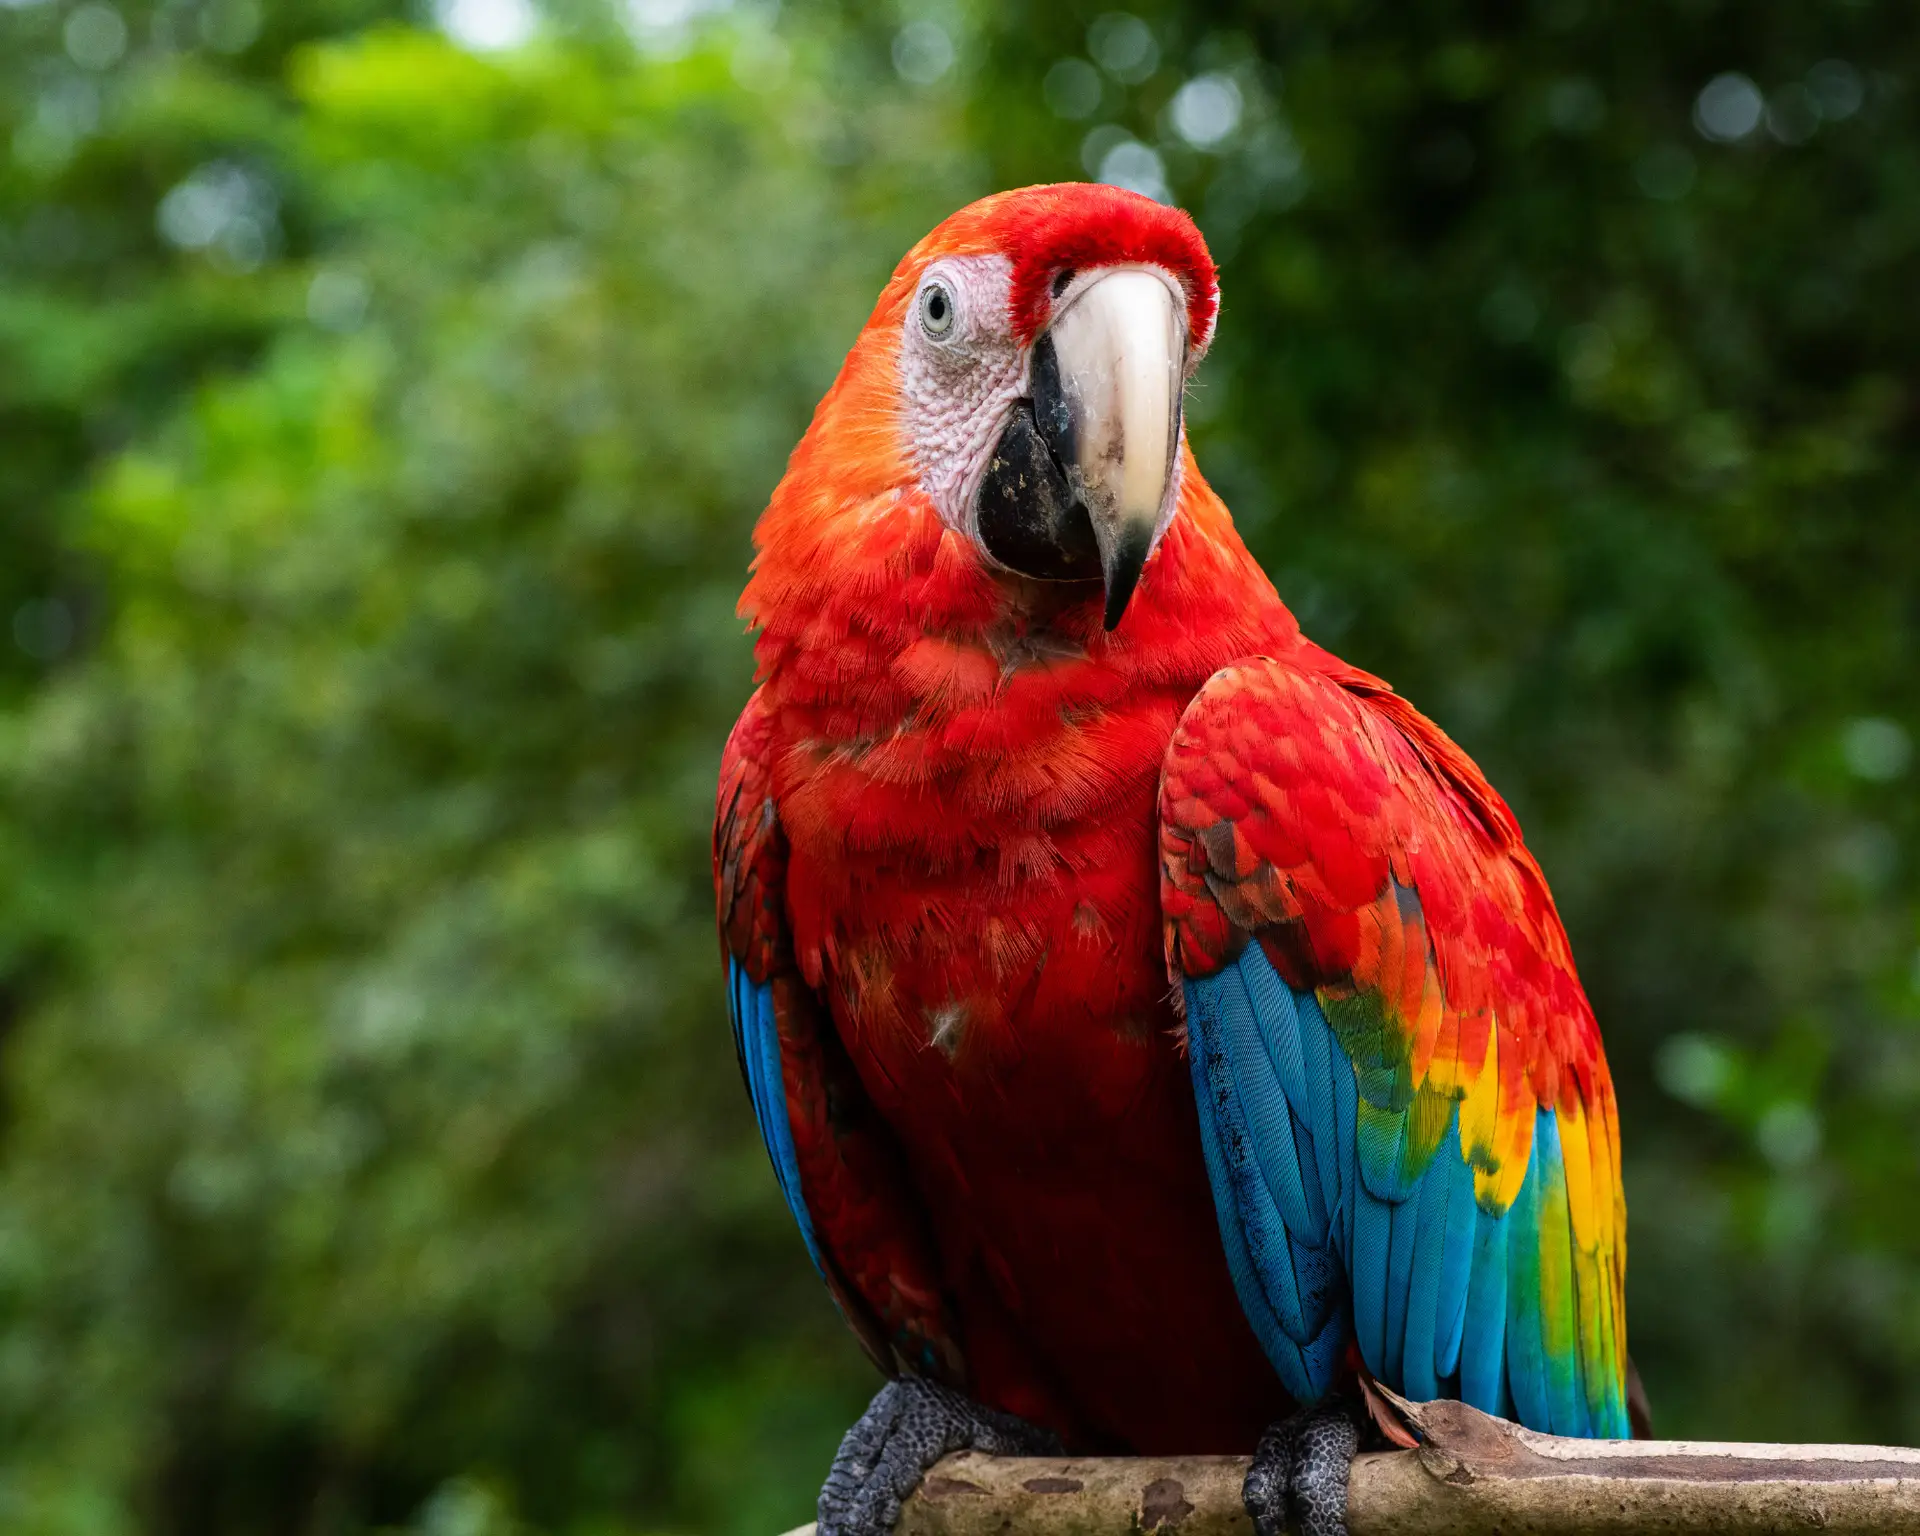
(856,581)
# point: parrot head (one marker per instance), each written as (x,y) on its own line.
(1023,372)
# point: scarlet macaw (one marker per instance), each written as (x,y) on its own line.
(1033,733)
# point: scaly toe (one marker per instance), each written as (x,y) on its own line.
(1298,1479)
(910,1424)
(1323,1456)
(1265,1490)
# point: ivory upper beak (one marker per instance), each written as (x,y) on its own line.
(1120,344)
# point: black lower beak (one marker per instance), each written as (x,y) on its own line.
(1028,516)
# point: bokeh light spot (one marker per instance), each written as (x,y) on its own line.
(1138,168)
(1072,90)
(1693,1068)
(44,628)
(95,36)
(922,52)
(223,209)
(1206,110)
(1728,108)
(1788,1135)
(486,26)
(664,29)
(1124,46)
(337,300)
(1836,89)
(1793,116)
(1095,147)
(1876,749)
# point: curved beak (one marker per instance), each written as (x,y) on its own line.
(1112,413)
(1077,484)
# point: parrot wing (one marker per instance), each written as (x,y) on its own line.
(836,1161)
(1408,1122)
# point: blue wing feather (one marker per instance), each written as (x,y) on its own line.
(1250,1228)
(756,1035)
(1265,1111)
(1318,1053)
(1279,1021)
(1235,1082)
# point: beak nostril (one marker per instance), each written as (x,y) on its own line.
(1061,279)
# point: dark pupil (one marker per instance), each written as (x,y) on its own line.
(936,306)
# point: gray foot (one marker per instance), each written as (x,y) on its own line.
(910,1424)
(1299,1474)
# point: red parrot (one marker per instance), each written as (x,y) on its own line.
(1158,1027)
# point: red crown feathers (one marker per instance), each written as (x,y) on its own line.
(1074,225)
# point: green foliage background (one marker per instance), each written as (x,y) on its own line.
(382,421)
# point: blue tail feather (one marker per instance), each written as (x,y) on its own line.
(1526,1365)
(1402,1239)
(1483,1336)
(1419,1378)
(1456,1266)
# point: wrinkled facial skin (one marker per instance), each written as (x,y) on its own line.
(1057,459)
(959,386)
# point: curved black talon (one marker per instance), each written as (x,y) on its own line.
(910,1424)
(1298,1478)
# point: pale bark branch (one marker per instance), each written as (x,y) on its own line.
(1473,1476)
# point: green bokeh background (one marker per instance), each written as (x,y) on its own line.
(384,410)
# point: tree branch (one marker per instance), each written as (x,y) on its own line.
(1472,1476)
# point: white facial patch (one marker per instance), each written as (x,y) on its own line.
(960,373)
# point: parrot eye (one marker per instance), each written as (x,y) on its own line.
(936,309)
